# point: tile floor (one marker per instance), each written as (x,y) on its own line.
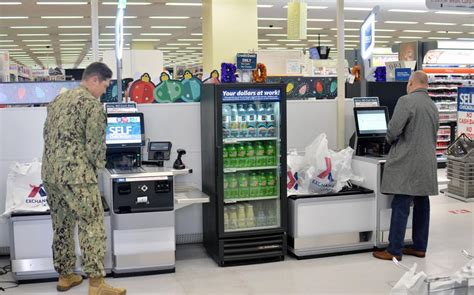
(196,273)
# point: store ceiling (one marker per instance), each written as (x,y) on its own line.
(55,42)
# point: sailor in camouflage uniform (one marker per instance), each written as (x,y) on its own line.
(74,151)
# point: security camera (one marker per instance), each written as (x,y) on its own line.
(271,26)
(47,46)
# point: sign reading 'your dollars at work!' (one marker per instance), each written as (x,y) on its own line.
(466,111)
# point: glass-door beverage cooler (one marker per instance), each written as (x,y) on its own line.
(243,140)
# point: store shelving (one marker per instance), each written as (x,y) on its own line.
(233,170)
(231,201)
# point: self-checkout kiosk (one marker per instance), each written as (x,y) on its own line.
(371,152)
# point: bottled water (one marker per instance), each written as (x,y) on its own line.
(251,121)
(262,121)
(234,121)
(226,121)
(270,121)
(242,121)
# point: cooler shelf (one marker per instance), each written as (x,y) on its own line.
(233,170)
(232,201)
(245,139)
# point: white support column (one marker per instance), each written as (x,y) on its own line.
(95,29)
(341,75)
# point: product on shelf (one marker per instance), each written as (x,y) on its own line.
(254,184)
(250,215)
(249,154)
(248,120)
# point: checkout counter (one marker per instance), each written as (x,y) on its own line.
(139,202)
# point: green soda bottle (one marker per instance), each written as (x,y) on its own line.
(253,185)
(241,156)
(270,156)
(259,154)
(250,161)
(271,184)
(243,185)
(262,184)
(226,186)
(233,186)
(232,155)
(225,156)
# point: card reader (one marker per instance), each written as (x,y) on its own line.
(158,151)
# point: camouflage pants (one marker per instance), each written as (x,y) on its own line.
(77,204)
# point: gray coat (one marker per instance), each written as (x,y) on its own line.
(411,167)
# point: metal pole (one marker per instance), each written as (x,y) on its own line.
(95,29)
(341,76)
(119,48)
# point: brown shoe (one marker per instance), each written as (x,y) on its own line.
(97,286)
(68,281)
(413,252)
(384,255)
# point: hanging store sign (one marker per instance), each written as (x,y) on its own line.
(367,34)
(246,61)
(251,94)
(466,111)
(450,4)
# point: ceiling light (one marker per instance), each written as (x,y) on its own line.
(345,29)
(168,48)
(466,39)
(351,41)
(62,17)
(468,25)
(270,28)
(448,32)
(29,27)
(314,29)
(61,3)
(168,27)
(198,48)
(113,17)
(353,21)
(197,40)
(439,38)
(320,20)
(106,40)
(400,22)
(8,45)
(263,40)
(264,5)
(196,34)
(416,31)
(184,50)
(269,44)
(178,44)
(169,17)
(38,45)
(74,27)
(155,34)
(182,4)
(145,40)
(384,30)
(410,37)
(357,9)
(73,44)
(322,40)
(6,41)
(113,34)
(408,10)
(30,35)
(10,3)
(288,40)
(75,34)
(382,41)
(13,17)
(383,37)
(277,35)
(440,24)
(125,27)
(272,18)
(453,12)
(311,7)
(73,40)
(128,3)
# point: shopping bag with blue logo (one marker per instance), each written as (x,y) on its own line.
(25,192)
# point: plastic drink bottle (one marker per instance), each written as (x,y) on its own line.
(232,217)
(262,184)
(270,121)
(241,218)
(270,156)
(251,121)
(232,156)
(225,121)
(250,155)
(234,122)
(253,185)
(249,213)
(241,155)
(259,154)
(225,156)
(242,121)
(261,121)
(271,184)
(226,186)
(243,185)
(226,217)
(233,186)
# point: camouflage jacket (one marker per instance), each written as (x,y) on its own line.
(74,138)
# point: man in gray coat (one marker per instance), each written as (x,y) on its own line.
(410,171)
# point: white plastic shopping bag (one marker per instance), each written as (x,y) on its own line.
(342,168)
(411,283)
(293,172)
(25,192)
(318,176)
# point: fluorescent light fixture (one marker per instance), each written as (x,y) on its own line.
(73,40)
(286,40)
(263,40)
(357,9)
(449,32)
(272,18)
(106,40)
(125,27)
(13,17)
(410,37)
(10,3)
(74,27)
(145,40)
(351,41)
(155,34)
(264,5)
(6,41)
(61,3)
(383,37)
(416,31)
(192,40)
(385,30)
(467,39)
(169,17)
(75,34)
(270,28)
(113,17)
(29,27)
(184,50)
(178,44)
(453,12)
(32,35)
(113,34)
(276,35)
(455,44)
(400,22)
(8,45)
(440,24)
(72,44)
(198,48)
(468,25)
(353,21)
(320,20)
(196,34)
(39,45)
(346,29)
(168,27)
(439,38)
(322,40)
(169,48)
(295,45)
(128,3)
(408,10)
(182,4)
(381,41)
(63,17)
(311,7)
(314,29)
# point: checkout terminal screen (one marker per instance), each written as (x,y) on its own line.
(123,130)
(372,121)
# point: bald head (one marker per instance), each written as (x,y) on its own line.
(417,80)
